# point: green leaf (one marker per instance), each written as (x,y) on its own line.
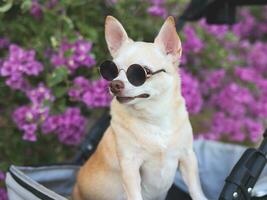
(6,6)
(68,21)
(59,91)
(26,5)
(47,103)
(58,75)
(54,42)
(68,53)
(61,105)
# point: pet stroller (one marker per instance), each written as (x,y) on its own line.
(216,160)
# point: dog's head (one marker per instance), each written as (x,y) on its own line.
(161,56)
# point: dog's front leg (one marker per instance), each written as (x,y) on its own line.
(131,179)
(189,170)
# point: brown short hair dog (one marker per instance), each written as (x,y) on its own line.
(150,133)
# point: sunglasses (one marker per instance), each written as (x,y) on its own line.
(136,74)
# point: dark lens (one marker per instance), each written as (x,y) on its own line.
(108,70)
(136,75)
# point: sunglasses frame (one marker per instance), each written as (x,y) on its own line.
(148,72)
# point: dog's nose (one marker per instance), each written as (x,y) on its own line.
(116,86)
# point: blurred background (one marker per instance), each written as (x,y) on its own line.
(51,93)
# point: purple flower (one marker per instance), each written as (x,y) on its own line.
(225,126)
(29,132)
(36,9)
(24,59)
(2,175)
(236,133)
(261,84)
(25,118)
(191,92)
(51,4)
(249,26)
(157,10)
(192,43)
(69,126)
(246,26)
(72,127)
(28,117)
(23,115)
(254,129)
(257,56)
(236,110)
(73,55)
(157,2)
(97,95)
(39,95)
(245,44)
(93,94)
(19,63)
(218,31)
(220,124)
(17,82)
(247,74)
(3,194)
(259,107)
(262,27)
(212,80)
(50,124)
(4,42)
(232,99)
(80,86)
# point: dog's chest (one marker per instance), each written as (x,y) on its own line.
(153,137)
(160,158)
(157,174)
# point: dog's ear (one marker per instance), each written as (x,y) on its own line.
(115,35)
(168,40)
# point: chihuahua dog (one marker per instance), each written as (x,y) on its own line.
(150,134)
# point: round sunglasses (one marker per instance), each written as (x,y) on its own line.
(136,74)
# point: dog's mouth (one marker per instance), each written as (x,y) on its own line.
(122,99)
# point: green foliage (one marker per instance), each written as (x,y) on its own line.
(45,34)
(6,6)
(57,76)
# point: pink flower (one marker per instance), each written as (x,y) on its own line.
(19,64)
(212,80)
(36,9)
(191,92)
(74,55)
(157,8)
(69,126)
(192,43)
(94,94)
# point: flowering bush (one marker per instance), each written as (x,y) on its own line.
(51,92)
(232,79)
